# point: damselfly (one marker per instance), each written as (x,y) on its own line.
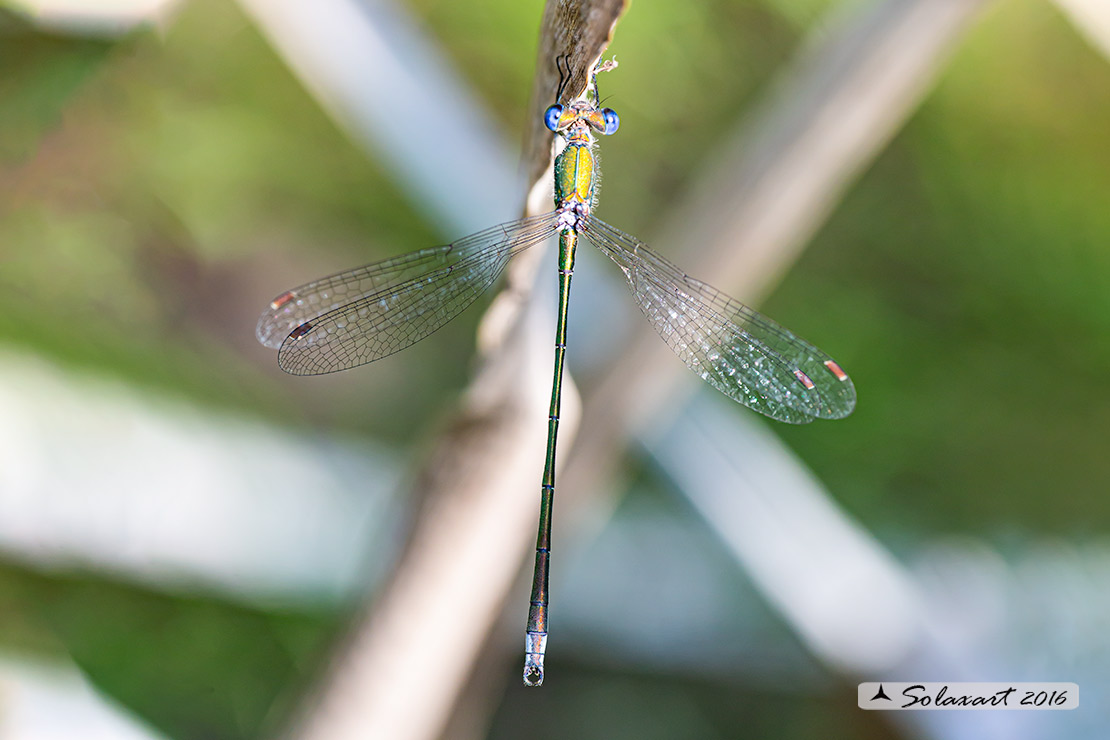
(370,312)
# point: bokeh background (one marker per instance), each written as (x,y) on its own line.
(185,531)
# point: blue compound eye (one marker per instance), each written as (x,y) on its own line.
(552,115)
(612,121)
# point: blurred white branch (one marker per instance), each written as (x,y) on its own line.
(1092,18)
(96,475)
(853,85)
(57,703)
(855,607)
(97,17)
(409,654)
(371,68)
(849,600)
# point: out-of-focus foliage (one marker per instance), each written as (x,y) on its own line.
(171,197)
(970,265)
(41,75)
(156,190)
(195,667)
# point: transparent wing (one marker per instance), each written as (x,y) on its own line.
(362,315)
(293,307)
(738,351)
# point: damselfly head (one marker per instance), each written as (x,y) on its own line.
(559,117)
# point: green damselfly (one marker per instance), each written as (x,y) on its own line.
(370,312)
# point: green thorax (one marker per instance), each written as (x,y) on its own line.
(574,172)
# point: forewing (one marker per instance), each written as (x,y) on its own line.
(371,312)
(294,307)
(737,350)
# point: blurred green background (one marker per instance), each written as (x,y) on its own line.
(156,189)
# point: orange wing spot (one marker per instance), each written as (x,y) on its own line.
(835,370)
(281,300)
(301,330)
(809,384)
